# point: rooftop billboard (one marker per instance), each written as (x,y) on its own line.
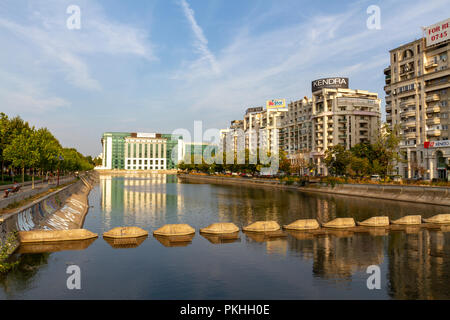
(278,104)
(331,83)
(438,32)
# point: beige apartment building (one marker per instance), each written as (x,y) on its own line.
(417,102)
(260,129)
(335,115)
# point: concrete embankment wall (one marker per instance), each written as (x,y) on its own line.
(63,209)
(418,194)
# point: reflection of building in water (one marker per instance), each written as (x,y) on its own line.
(337,256)
(416,265)
(278,246)
(139,199)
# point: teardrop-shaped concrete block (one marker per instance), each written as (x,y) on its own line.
(408,220)
(125,232)
(303,224)
(174,230)
(340,223)
(375,222)
(440,218)
(220,228)
(262,226)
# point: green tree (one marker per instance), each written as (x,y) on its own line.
(23,151)
(386,150)
(337,160)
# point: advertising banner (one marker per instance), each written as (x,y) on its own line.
(438,32)
(436,144)
(278,104)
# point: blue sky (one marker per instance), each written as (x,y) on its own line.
(159,65)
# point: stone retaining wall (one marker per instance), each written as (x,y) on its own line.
(63,209)
(418,194)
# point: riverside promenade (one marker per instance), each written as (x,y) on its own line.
(417,194)
(27,190)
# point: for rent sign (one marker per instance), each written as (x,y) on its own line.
(436,144)
(438,32)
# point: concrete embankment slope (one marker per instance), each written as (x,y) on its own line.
(63,209)
(418,194)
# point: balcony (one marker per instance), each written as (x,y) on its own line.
(433,109)
(342,120)
(342,136)
(409,135)
(408,113)
(409,123)
(432,121)
(389,107)
(388,117)
(431,64)
(433,97)
(434,133)
(408,102)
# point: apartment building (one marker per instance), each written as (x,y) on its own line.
(334,115)
(417,103)
(259,130)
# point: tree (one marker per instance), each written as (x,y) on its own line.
(299,163)
(337,160)
(49,149)
(23,151)
(386,150)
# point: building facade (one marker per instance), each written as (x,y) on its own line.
(335,115)
(141,151)
(417,104)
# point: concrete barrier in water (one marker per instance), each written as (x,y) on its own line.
(439,219)
(39,236)
(125,232)
(174,230)
(340,223)
(375,222)
(303,224)
(409,220)
(262,226)
(220,228)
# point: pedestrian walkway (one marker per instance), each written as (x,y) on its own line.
(27,190)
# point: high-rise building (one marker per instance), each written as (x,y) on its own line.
(141,151)
(335,115)
(417,103)
(259,130)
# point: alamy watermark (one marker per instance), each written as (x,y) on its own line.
(74,280)
(374,280)
(73,22)
(374,20)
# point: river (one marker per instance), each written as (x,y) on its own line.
(414,263)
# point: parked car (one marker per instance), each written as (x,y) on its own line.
(375,177)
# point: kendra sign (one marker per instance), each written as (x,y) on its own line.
(329,83)
(436,144)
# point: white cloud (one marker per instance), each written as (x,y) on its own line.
(70,49)
(18,95)
(201,42)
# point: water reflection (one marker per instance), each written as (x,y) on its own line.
(414,260)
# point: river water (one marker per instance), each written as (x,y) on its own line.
(414,263)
